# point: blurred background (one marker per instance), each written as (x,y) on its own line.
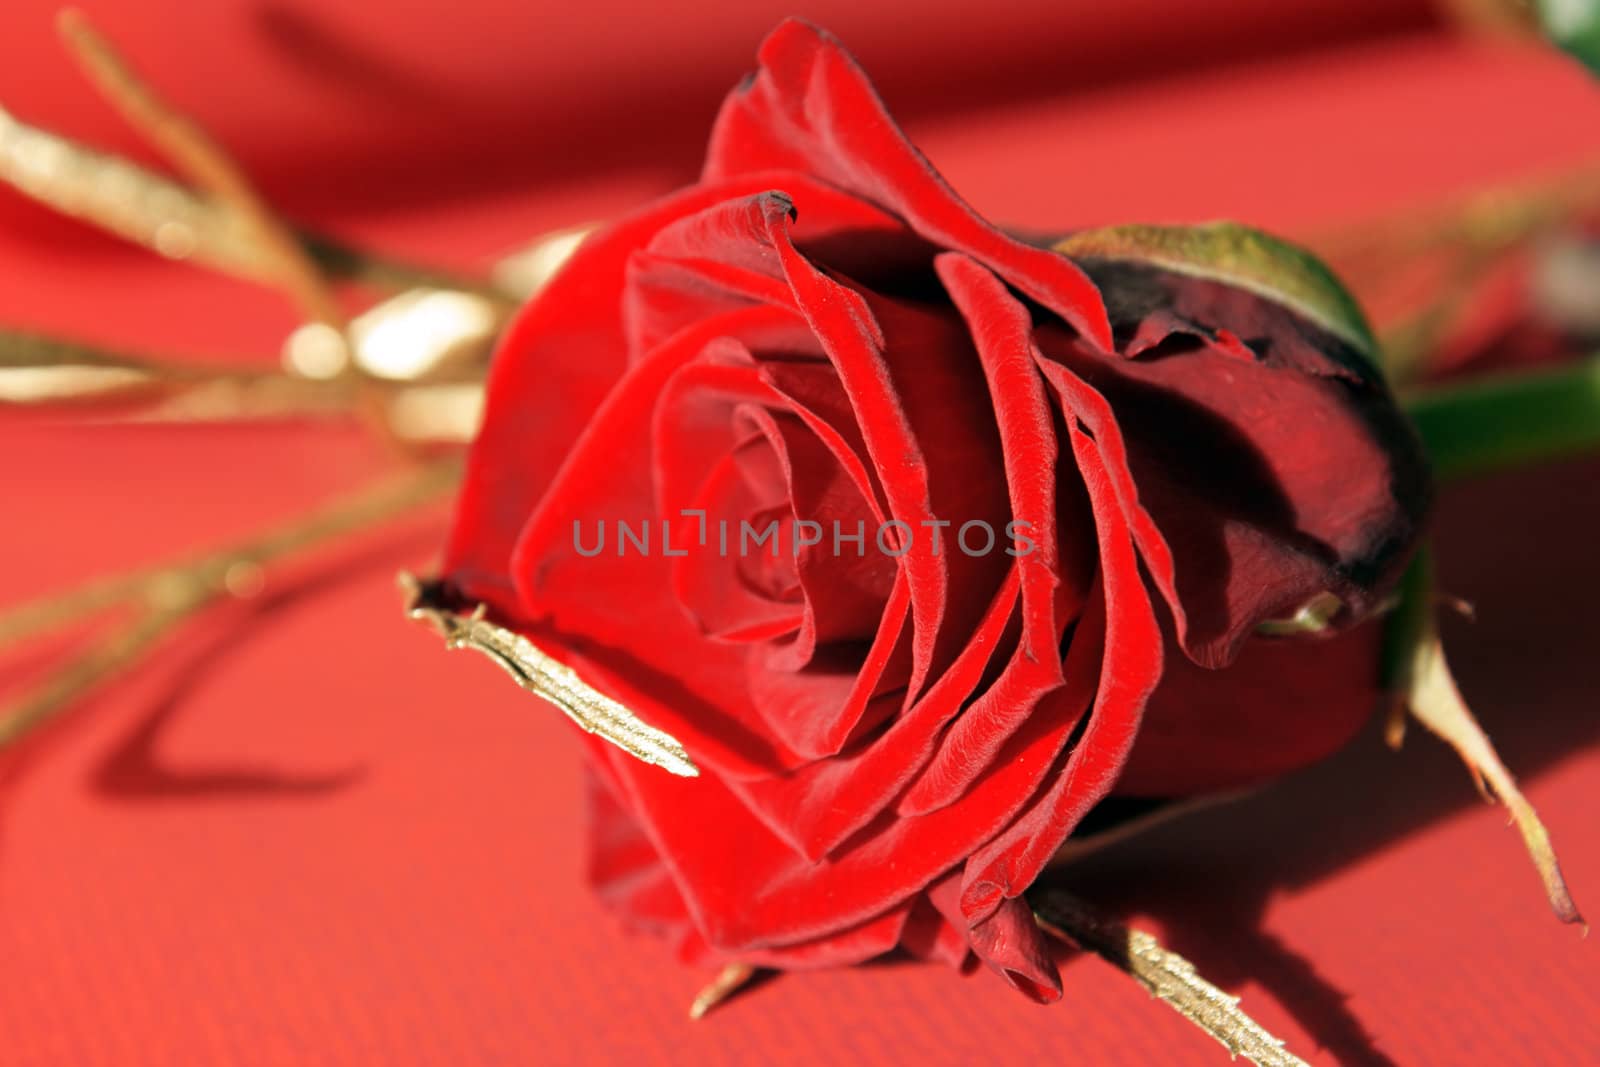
(336,107)
(419,121)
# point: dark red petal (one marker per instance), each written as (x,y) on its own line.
(1009,863)
(850,334)
(1271,479)
(930,936)
(819,707)
(811,108)
(819,806)
(1090,409)
(707,259)
(844,591)
(1282,705)
(692,427)
(1001,331)
(1009,942)
(623,866)
(857,944)
(709,587)
(594,471)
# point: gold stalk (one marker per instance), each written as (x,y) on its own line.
(729,980)
(205,163)
(536,671)
(1166,975)
(164,597)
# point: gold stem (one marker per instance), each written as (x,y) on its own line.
(204,161)
(167,596)
(1407,344)
(339,260)
(553,681)
(38,617)
(729,980)
(1492,218)
(441,406)
(138,205)
(1440,254)
(42,371)
(20,348)
(115,653)
(392,496)
(1166,975)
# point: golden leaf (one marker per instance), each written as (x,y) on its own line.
(539,673)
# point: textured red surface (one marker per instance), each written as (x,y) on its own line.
(325,841)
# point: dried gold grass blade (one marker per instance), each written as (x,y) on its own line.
(204,161)
(539,673)
(729,980)
(1437,703)
(1168,976)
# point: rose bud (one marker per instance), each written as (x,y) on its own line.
(1036,508)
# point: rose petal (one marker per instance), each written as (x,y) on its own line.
(631,881)
(760,893)
(1001,330)
(1009,942)
(558,360)
(1282,705)
(1005,866)
(818,807)
(1234,460)
(811,108)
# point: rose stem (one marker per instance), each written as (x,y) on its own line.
(1493,218)
(105,387)
(1510,419)
(196,155)
(57,371)
(133,203)
(167,596)
(729,980)
(205,162)
(1464,239)
(1166,975)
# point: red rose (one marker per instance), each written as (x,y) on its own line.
(894,740)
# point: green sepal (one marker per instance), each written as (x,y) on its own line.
(1237,255)
(1574,26)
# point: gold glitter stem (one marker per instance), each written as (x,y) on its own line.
(107,658)
(729,980)
(204,161)
(1166,975)
(1434,258)
(439,406)
(38,369)
(337,259)
(546,677)
(1492,218)
(133,203)
(165,597)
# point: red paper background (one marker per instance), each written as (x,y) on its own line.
(323,841)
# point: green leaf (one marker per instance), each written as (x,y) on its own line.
(1240,256)
(1574,25)
(1516,418)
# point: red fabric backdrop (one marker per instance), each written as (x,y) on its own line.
(322,840)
